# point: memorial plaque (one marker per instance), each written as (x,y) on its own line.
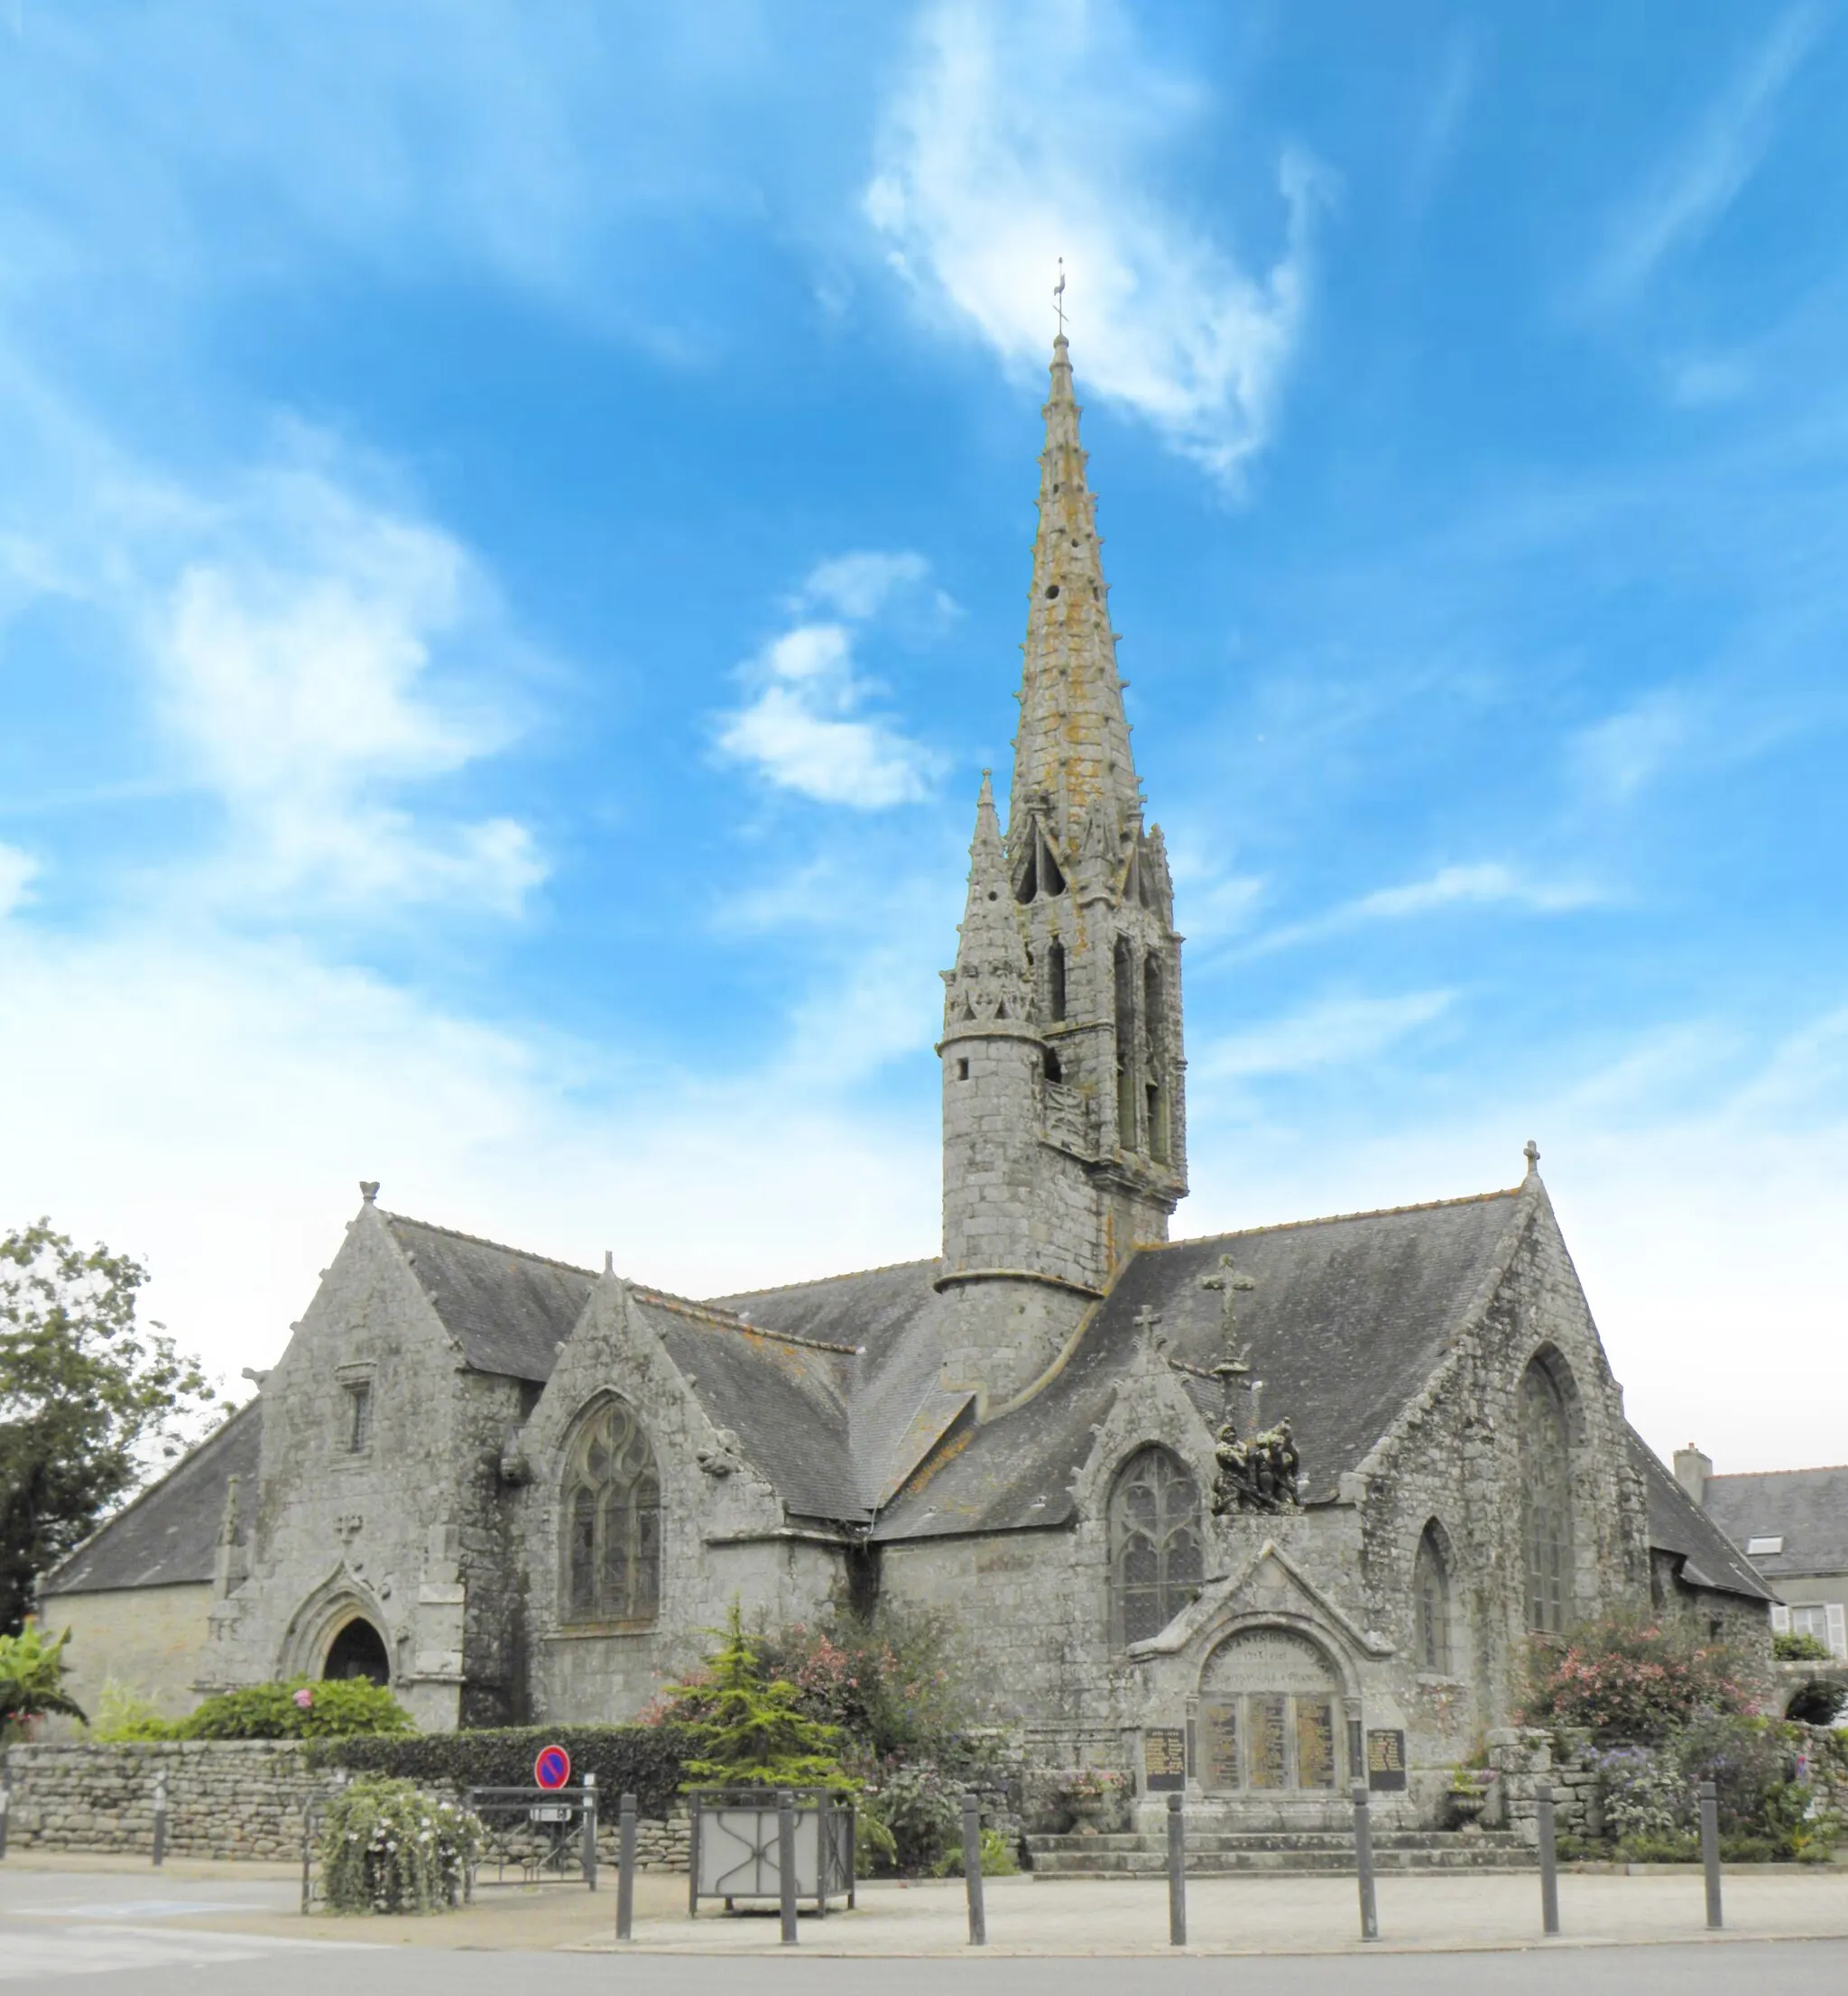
(1268,1763)
(1269,1660)
(1315,1744)
(1164,1757)
(1219,1747)
(1385,1758)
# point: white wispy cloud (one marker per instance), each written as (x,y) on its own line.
(17,871)
(297,668)
(804,727)
(1333,1032)
(1692,191)
(1486,884)
(1022,135)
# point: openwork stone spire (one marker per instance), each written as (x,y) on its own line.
(1072,758)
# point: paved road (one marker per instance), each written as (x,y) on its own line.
(102,1957)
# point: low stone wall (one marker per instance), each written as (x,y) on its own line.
(224,1797)
(227,1799)
(1520,1758)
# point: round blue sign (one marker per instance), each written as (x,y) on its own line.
(552,1768)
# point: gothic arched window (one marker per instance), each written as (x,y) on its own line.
(1546,1500)
(1154,1055)
(1125,964)
(611,1506)
(1430,1593)
(1155,1553)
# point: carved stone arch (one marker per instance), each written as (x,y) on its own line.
(1278,1708)
(341,1599)
(609,1518)
(1558,1368)
(1156,1528)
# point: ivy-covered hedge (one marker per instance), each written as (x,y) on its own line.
(646,1761)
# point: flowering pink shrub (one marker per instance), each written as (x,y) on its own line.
(304,1698)
(1634,1678)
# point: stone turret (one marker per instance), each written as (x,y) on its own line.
(1064,1127)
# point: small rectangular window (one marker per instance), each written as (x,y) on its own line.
(1811,1622)
(358,1416)
(1756,1546)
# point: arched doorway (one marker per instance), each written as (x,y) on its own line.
(1268,1701)
(358,1651)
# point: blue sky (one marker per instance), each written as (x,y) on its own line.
(514,539)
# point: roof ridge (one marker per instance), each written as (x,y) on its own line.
(1332,1219)
(727,1320)
(1811,1469)
(476,1240)
(846,1275)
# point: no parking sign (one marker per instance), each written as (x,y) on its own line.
(552,1768)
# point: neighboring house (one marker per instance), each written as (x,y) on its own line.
(1285,1503)
(137,1594)
(1793,1524)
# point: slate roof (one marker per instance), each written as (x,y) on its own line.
(509,1311)
(1677,1525)
(168,1535)
(784,1397)
(1806,1508)
(1345,1321)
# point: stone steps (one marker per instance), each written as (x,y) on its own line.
(1220,1853)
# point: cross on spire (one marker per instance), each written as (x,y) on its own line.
(1058,297)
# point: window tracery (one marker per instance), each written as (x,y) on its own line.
(610,1512)
(1156,1564)
(1546,1500)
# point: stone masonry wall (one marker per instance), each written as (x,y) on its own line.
(226,1798)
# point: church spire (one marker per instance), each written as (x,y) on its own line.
(1072,760)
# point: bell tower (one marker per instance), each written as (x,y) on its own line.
(1064,1114)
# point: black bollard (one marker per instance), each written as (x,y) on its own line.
(972,1870)
(786,1863)
(1710,1849)
(1549,1858)
(590,1829)
(160,1821)
(625,1869)
(1363,1862)
(1176,1874)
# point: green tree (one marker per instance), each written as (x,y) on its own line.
(750,1732)
(91,1400)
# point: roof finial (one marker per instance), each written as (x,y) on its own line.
(1058,297)
(369,1190)
(609,1260)
(1530,1150)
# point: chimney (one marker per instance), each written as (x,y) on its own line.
(1694,1471)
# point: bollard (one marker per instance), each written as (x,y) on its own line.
(1550,1859)
(6,1805)
(1710,1849)
(786,1862)
(972,1870)
(160,1821)
(1176,1874)
(590,1829)
(1363,1862)
(625,1869)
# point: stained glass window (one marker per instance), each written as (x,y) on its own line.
(1546,1493)
(1155,1555)
(611,1521)
(1430,1593)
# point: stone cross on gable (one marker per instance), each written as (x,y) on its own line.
(1230,1279)
(1149,1322)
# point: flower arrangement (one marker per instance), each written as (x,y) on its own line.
(1090,1785)
(386,1847)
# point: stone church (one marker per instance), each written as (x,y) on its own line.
(1261,1513)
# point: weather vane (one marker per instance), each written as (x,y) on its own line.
(1058,297)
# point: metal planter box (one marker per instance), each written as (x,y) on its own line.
(736,1847)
